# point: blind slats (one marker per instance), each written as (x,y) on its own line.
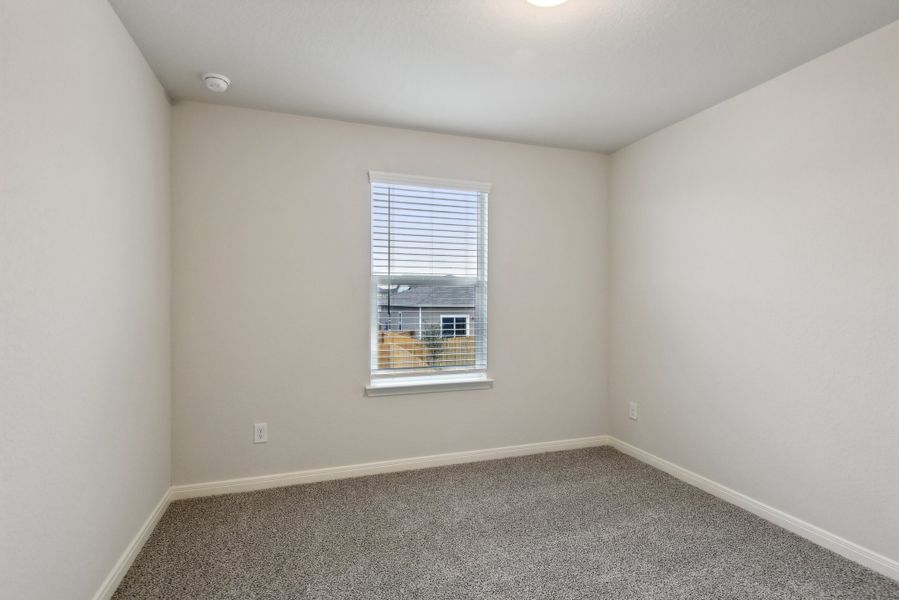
(429,270)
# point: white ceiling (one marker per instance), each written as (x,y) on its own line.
(590,74)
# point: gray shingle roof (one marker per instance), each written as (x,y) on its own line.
(427,296)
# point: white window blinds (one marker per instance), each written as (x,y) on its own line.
(429,275)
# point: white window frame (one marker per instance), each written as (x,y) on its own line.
(456,316)
(439,380)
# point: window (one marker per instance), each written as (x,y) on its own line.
(429,283)
(454,325)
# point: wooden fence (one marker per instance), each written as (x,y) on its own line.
(403,350)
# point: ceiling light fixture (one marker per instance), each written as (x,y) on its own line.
(215,82)
(546,3)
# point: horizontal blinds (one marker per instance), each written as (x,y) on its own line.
(420,231)
(429,265)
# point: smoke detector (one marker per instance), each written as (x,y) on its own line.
(215,82)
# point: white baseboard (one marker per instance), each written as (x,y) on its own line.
(843,547)
(245,484)
(112,581)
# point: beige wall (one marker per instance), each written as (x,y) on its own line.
(271,294)
(84,296)
(755,292)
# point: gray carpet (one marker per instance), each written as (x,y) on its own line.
(580,524)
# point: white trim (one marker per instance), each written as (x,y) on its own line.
(246,484)
(850,550)
(397,386)
(380,177)
(112,581)
(831,541)
(425,374)
(456,316)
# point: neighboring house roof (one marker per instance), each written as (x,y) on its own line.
(428,296)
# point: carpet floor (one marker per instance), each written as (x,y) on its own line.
(580,524)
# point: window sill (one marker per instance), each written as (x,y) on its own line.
(426,385)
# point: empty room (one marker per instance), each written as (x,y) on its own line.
(449,299)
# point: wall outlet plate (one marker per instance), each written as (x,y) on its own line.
(632,411)
(260,433)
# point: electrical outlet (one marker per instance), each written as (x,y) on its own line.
(260,433)
(632,411)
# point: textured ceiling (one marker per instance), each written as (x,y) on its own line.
(590,74)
